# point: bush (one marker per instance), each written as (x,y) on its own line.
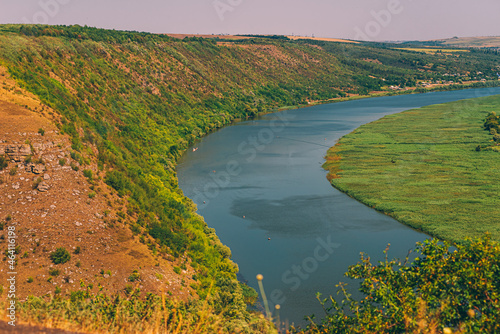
(3,162)
(60,255)
(88,174)
(445,286)
(250,296)
(54,272)
(62,162)
(13,171)
(135,276)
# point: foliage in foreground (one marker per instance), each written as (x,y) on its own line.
(445,286)
(90,313)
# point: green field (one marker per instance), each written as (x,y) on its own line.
(421,167)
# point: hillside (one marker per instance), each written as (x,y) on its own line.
(464,42)
(45,191)
(120,108)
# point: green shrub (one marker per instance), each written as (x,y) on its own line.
(30,279)
(446,285)
(62,162)
(77,250)
(88,174)
(37,182)
(250,296)
(60,255)
(3,162)
(54,272)
(135,276)
(13,171)
(41,131)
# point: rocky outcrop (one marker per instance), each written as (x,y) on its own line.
(16,152)
(38,169)
(43,187)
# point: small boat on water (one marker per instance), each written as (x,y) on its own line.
(195,149)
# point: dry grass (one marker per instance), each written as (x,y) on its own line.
(432,50)
(132,316)
(326,39)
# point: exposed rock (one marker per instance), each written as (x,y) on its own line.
(43,186)
(16,186)
(39,169)
(38,146)
(29,167)
(46,177)
(17,152)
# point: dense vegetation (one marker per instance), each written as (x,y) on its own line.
(136,101)
(443,290)
(491,124)
(423,168)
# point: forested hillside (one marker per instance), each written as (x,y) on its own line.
(136,101)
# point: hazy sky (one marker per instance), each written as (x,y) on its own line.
(354,19)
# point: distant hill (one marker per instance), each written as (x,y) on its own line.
(462,42)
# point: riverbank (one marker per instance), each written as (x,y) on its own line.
(410,90)
(421,168)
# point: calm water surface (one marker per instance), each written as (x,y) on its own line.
(268,198)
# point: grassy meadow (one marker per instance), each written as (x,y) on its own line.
(422,168)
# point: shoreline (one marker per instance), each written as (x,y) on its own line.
(410,91)
(436,221)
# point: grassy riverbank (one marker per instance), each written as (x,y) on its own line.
(421,168)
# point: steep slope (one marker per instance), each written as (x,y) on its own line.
(45,195)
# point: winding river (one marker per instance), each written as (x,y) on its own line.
(260,184)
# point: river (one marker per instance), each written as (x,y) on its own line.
(260,184)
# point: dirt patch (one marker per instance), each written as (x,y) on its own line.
(326,39)
(27,329)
